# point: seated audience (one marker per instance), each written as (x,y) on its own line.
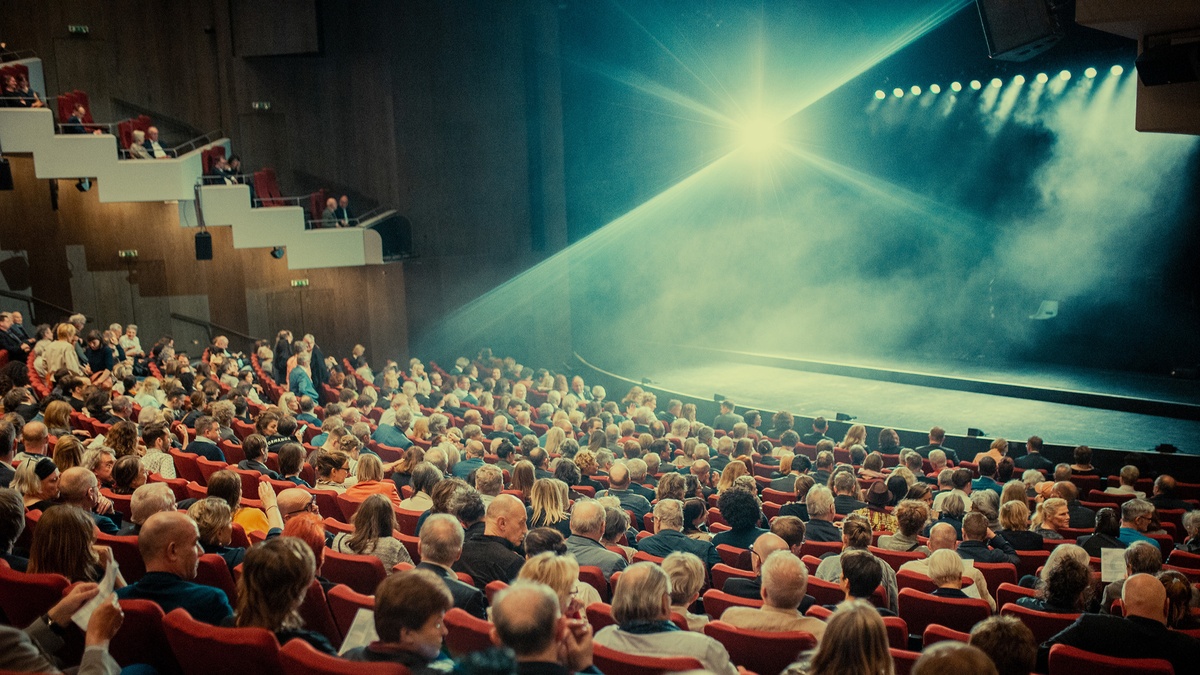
(1141,633)
(953,507)
(587,528)
(856,537)
(879,498)
(527,620)
(441,546)
(425,477)
(547,508)
(1179,600)
(274,583)
(742,511)
(946,570)
(370,481)
(65,543)
(687,573)
(31,650)
(490,552)
(1136,516)
(1014,523)
(37,481)
(642,608)
(148,500)
(561,574)
(911,516)
(668,535)
(374,523)
(942,537)
(170,546)
(784,582)
(410,611)
(1140,558)
(950,656)
(980,543)
(1164,496)
(1008,643)
(855,641)
(214,519)
(1065,583)
(291,463)
(128,475)
(764,546)
(333,468)
(255,449)
(227,485)
(1051,516)
(78,487)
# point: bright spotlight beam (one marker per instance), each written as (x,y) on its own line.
(759,136)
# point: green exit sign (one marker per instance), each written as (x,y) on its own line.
(127,253)
(78,29)
(299,283)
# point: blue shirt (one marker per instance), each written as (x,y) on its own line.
(986,483)
(204,603)
(1130,535)
(300,384)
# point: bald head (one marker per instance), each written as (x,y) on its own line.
(1145,596)
(168,542)
(34,437)
(618,476)
(75,487)
(505,506)
(942,536)
(524,617)
(293,501)
(764,546)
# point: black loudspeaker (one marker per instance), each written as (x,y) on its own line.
(1018,30)
(203,246)
(1169,64)
(6,180)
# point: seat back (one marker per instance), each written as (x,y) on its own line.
(202,649)
(344,603)
(996,574)
(126,553)
(594,577)
(24,597)
(921,609)
(939,633)
(734,556)
(122,503)
(360,572)
(348,505)
(612,661)
(599,614)
(826,592)
(904,660)
(214,571)
(895,558)
(318,616)
(406,521)
(186,467)
(1180,558)
(1008,593)
(1030,561)
(300,658)
(208,467)
(759,651)
(716,602)
(466,633)
(722,573)
(820,548)
(142,639)
(233,452)
(1044,625)
(1071,661)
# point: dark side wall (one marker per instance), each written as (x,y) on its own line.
(447,110)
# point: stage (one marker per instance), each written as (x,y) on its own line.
(1066,406)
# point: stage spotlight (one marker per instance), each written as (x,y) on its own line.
(83,185)
(843,417)
(1117,70)
(916,91)
(898,92)
(759,136)
(1064,75)
(1020,79)
(997,83)
(956,87)
(1043,78)
(1090,73)
(880,95)
(972,432)
(976,85)
(936,89)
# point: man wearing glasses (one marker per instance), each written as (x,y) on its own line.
(1136,515)
(292,502)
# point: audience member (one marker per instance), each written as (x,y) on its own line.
(784,582)
(687,573)
(741,510)
(374,524)
(274,583)
(1106,534)
(1065,583)
(855,641)
(587,528)
(980,543)
(528,620)
(490,552)
(1007,642)
(669,537)
(953,658)
(410,611)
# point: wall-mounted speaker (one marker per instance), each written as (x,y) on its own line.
(6,179)
(1018,30)
(203,246)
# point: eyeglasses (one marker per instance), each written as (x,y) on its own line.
(311,506)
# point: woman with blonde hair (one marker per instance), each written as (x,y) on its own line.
(370,481)
(687,578)
(374,523)
(123,439)
(61,353)
(1051,516)
(855,435)
(274,584)
(688,412)
(561,574)
(65,543)
(1014,525)
(855,643)
(402,470)
(37,481)
(68,452)
(547,507)
(148,391)
(214,520)
(58,418)
(419,430)
(585,460)
(522,479)
(554,440)
(731,474)
(1014,490)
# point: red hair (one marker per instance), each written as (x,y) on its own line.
(308,528)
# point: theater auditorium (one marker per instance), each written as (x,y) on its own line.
(625,337)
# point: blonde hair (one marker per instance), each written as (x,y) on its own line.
(212,515)
(369,468)
(1014,515)
(1046,509)
(731,473)
(546,501)
(686,572)
(559,572)
(855,435)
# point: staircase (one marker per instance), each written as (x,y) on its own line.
(31,131)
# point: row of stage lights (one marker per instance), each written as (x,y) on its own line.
(996,83)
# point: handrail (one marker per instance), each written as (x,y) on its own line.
(37,301)
(203,139)
(210,326)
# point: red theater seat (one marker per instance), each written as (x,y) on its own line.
(1066,660)
(300,658)
(344,603)
(203,649)
(759,651)
(466,633)
(612,661)
(360,572)
(921,609)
